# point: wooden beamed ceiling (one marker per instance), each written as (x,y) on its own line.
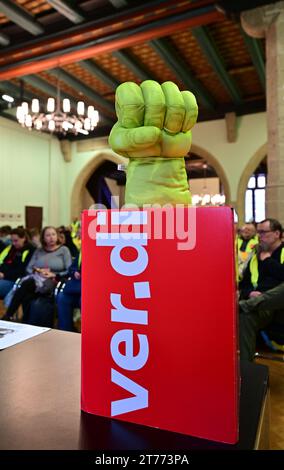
(91,46)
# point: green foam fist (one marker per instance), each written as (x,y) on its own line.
(153,131)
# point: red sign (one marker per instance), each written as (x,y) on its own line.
(159,338)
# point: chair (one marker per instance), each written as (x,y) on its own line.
(42,309)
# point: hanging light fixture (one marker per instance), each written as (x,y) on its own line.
(206,198)
(58,117)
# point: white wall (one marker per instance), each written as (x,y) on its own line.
(33,171)
(204,186)
(233,157)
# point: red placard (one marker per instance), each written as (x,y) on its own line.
(159,338)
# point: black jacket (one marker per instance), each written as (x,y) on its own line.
(13,266)
(271,273)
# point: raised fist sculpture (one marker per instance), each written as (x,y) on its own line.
(153,131)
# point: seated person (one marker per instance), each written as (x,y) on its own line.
(70,297)
(14,260)
(47,266)
(2,246)
(263,274)
(5,235)
(263,307)
(246,242)
(66,239)
(35,237)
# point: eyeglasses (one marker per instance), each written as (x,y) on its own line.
(261,232)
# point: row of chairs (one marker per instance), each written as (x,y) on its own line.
(43,308)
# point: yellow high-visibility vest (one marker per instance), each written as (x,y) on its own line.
(74,228)
(6,251)
(250,245)
(242,257)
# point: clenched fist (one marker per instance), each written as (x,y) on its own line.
(153,130)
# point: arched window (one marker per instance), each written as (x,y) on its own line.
(255,194)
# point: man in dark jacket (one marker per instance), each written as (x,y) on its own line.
(259,289)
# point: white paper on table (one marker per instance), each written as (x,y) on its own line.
(12,333)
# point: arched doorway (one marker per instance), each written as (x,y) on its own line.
(80,197)
(106,185)
(208,182)
(89,175)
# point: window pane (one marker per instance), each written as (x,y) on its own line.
(251,183)
(261,181)
(259,201)
(248,206)
(236,218)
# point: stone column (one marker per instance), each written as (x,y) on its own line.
(268,22)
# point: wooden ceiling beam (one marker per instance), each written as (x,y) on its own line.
(209,48)
(83,89)
(254,47)
(94,69)
(182,71)
(149,14)
(65,8)
(105,44)
(126,59)
(17,92)
(247,107)
(21,17)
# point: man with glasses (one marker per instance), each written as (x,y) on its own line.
(262,287)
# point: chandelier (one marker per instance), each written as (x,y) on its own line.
(208,199)
(207,195)
(58,117)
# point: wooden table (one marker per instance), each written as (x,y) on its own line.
(40,405)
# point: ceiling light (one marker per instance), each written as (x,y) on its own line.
(8,98)
(57,117)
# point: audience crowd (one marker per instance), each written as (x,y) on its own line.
(40,278)
(40,281)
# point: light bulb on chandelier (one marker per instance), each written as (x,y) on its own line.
(208,199)
(58,119)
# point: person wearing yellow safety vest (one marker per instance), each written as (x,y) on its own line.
(265,269)
(75,225)
(263,274)
(76,233)
(246,242)
(14,259)
(247,237)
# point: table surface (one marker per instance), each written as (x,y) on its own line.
(40,404)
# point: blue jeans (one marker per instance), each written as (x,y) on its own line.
(5,287)
(8,297)
(66,301)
